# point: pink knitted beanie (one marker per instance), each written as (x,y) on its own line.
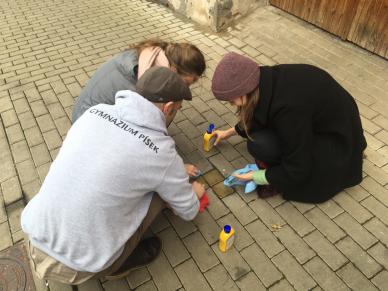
(235,76)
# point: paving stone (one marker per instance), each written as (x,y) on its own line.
(295,219)
(11,190)
(221,190)
(53,139)
(90,285)
(323,275)
(261,265)
(13,212)
(331,208)
(21,105)
(65,99)
(354,278)
(45,123)
(138,277)
(163,275)
(380,280)
(27,172)
(267,241)
(377,228)
(266,213)
(30,189)
(173,247)
(32,94)
(149,286)
(242,237)
(380,253)
(191,277)
(63,125)
(240,209)
(56,110)
(116,285)
(357,192)
(375,172)
(216,208)
(378,209)
(200,251)
(182,227)
(43,171)
(213,177)
(5,104)
(325,250)
(159,223)
(358,257)
(222,165)
(208,227)
(325,225)
(40,154)
(33,136)
(378,191)
(294,273)
(232,261)
(20,151)
(27,120)
(9,118)
(303,207)
(282,285)
(38,108)
(5,236)
(294,244)
(219,279)
(184,144)
(14,133)
(355,230)
(352,207)
(250,282)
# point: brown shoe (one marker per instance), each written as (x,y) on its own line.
(145,253)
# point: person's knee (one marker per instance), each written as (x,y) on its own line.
(265,146)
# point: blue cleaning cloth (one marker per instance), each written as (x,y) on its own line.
(233,181)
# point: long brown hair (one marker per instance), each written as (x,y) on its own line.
(246,111)
(185,57)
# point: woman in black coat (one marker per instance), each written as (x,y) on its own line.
(303,128)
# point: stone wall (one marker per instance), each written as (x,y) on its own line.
(216,14)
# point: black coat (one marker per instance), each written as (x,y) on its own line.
(319,128)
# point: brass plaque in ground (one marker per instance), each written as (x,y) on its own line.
(15,272)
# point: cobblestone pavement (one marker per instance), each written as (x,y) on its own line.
(50,48)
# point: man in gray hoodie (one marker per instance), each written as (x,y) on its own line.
(116,170)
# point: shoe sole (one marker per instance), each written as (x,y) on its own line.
(126,273)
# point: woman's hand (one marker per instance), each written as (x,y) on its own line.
(244,177)
(223,134)
(191,170)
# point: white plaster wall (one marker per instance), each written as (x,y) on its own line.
(201,11)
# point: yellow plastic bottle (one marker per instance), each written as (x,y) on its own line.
(209,138)
(226,238)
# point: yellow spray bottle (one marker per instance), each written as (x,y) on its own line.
(209,138)
(226,238)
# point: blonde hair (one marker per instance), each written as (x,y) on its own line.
(246,111)
(185,57)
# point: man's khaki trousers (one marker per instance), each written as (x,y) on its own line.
(48,268)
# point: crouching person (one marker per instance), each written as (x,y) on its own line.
(116,170)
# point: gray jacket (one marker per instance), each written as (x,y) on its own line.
(118,73)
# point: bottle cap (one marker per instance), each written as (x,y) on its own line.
(210,128)
(227,228)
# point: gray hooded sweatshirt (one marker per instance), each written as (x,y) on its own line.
(100,186)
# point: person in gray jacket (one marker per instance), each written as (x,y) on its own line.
(122,71)
(116,170)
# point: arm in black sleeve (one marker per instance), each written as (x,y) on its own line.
(296,141)
(240,131)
